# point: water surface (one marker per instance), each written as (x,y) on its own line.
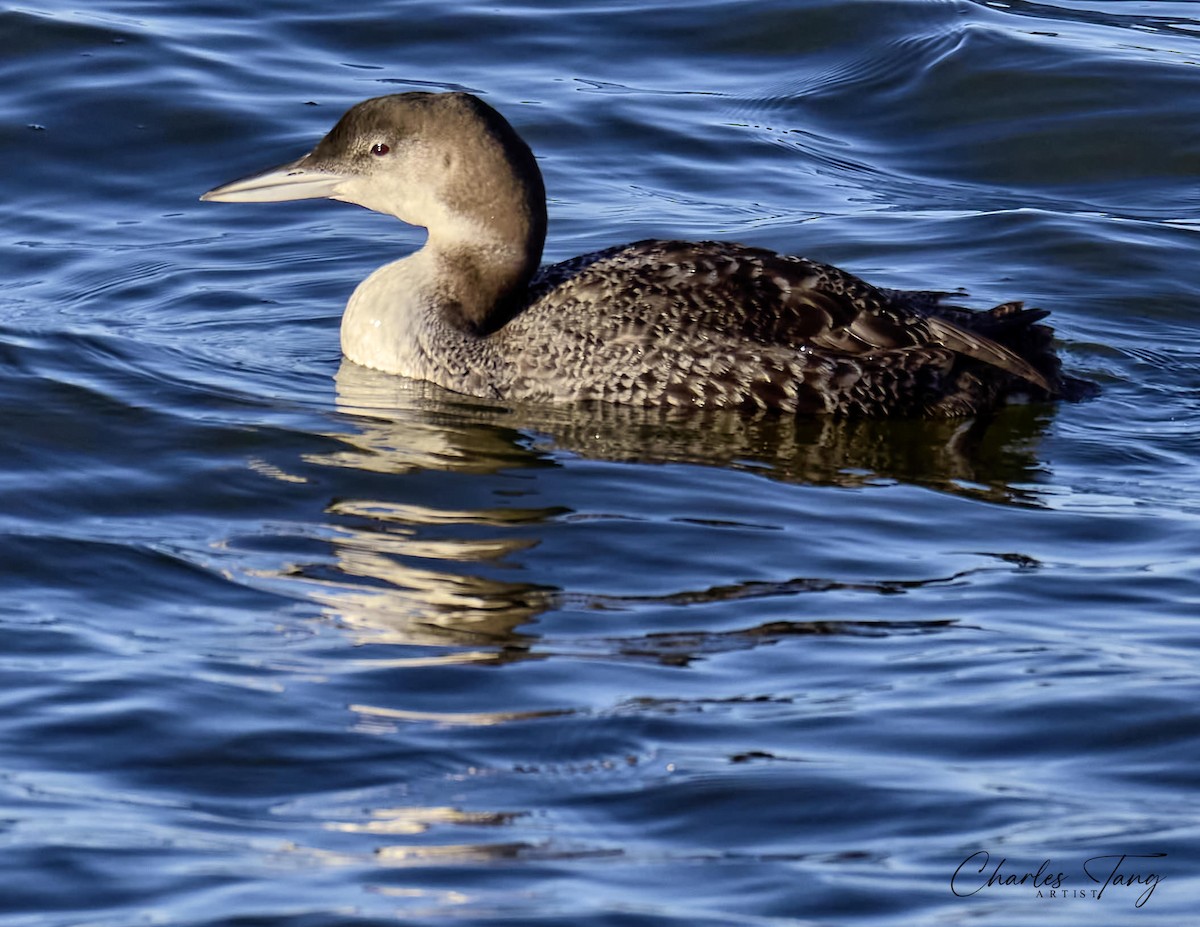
(289,642)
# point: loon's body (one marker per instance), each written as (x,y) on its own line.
(706,324)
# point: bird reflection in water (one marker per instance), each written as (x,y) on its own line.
(433,562)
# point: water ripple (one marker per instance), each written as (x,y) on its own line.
(289,642)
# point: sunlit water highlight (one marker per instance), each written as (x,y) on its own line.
(289,642)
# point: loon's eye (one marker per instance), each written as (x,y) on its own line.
(379,149)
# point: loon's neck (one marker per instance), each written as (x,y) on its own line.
(428,316)
(477,282)
(432,311)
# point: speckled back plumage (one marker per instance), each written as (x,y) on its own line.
(721,325)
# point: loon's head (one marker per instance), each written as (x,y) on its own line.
(446,162)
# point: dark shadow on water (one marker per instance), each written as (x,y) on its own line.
(440,569)
(403,425)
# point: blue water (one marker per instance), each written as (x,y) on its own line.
(286,642)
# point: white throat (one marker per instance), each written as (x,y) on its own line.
(394,323)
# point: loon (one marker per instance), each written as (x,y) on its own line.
(705,324)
